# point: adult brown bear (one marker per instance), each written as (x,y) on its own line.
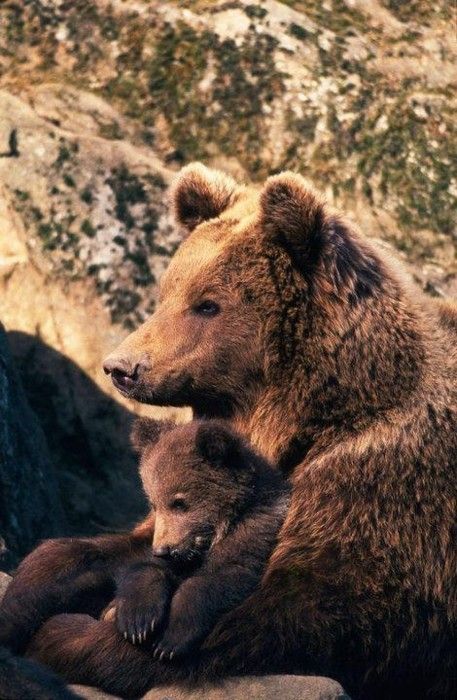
(277,316)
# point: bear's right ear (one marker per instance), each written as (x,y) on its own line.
(199,194)
(147,431)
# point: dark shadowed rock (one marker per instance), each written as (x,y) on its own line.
(87,433)
(30,505)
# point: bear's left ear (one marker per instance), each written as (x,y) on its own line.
(219,446)
(147,431)
(294,216)
(199,194)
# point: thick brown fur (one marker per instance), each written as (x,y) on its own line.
(317,349)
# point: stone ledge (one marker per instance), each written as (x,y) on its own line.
(264,688)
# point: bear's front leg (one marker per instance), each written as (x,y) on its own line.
(199,603)
(188,623)
(143,595)
(87,651)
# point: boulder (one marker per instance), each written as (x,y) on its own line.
(264,688)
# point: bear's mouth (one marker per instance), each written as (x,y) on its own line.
(175,390)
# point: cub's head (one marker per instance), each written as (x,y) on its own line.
(256,271)
(198,478)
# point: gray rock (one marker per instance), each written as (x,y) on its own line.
(264,688)
(30,506)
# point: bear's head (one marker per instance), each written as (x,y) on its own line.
(199,479)
(271,305)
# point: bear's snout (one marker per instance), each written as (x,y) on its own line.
(124,373)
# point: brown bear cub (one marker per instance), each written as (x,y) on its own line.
(218,508)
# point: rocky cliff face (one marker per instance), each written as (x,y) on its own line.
(100,101)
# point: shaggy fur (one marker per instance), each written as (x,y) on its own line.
(310,341)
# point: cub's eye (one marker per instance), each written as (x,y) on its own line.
(207,308)
(179,504)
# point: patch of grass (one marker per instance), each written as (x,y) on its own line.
(306,126)
(88,229)
(86,195)
(122,303)
(229,112)
(156,180)
(412,166)
(299,32)
(255,11)
(22,195)
(336,16)
(68,180)
(14,22)
(128,190)
(63,155)
(111,131)
(45,232)
(418,10)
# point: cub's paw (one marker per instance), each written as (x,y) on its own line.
(178,640)
(138,620)
(142,603)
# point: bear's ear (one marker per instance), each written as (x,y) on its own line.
(219,446)
(147,431)
(293,216)
(199,194)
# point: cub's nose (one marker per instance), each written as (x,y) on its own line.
(163,551)
(124,374)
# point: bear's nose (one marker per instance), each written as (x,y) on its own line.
(124,373)
(163,551)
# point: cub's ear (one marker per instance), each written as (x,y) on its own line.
(219,446)
(293,215)
(199,194)
(147,431)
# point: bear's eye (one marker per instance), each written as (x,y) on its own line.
(207,308)
(179,504)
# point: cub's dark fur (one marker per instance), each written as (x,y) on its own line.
(218,507)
